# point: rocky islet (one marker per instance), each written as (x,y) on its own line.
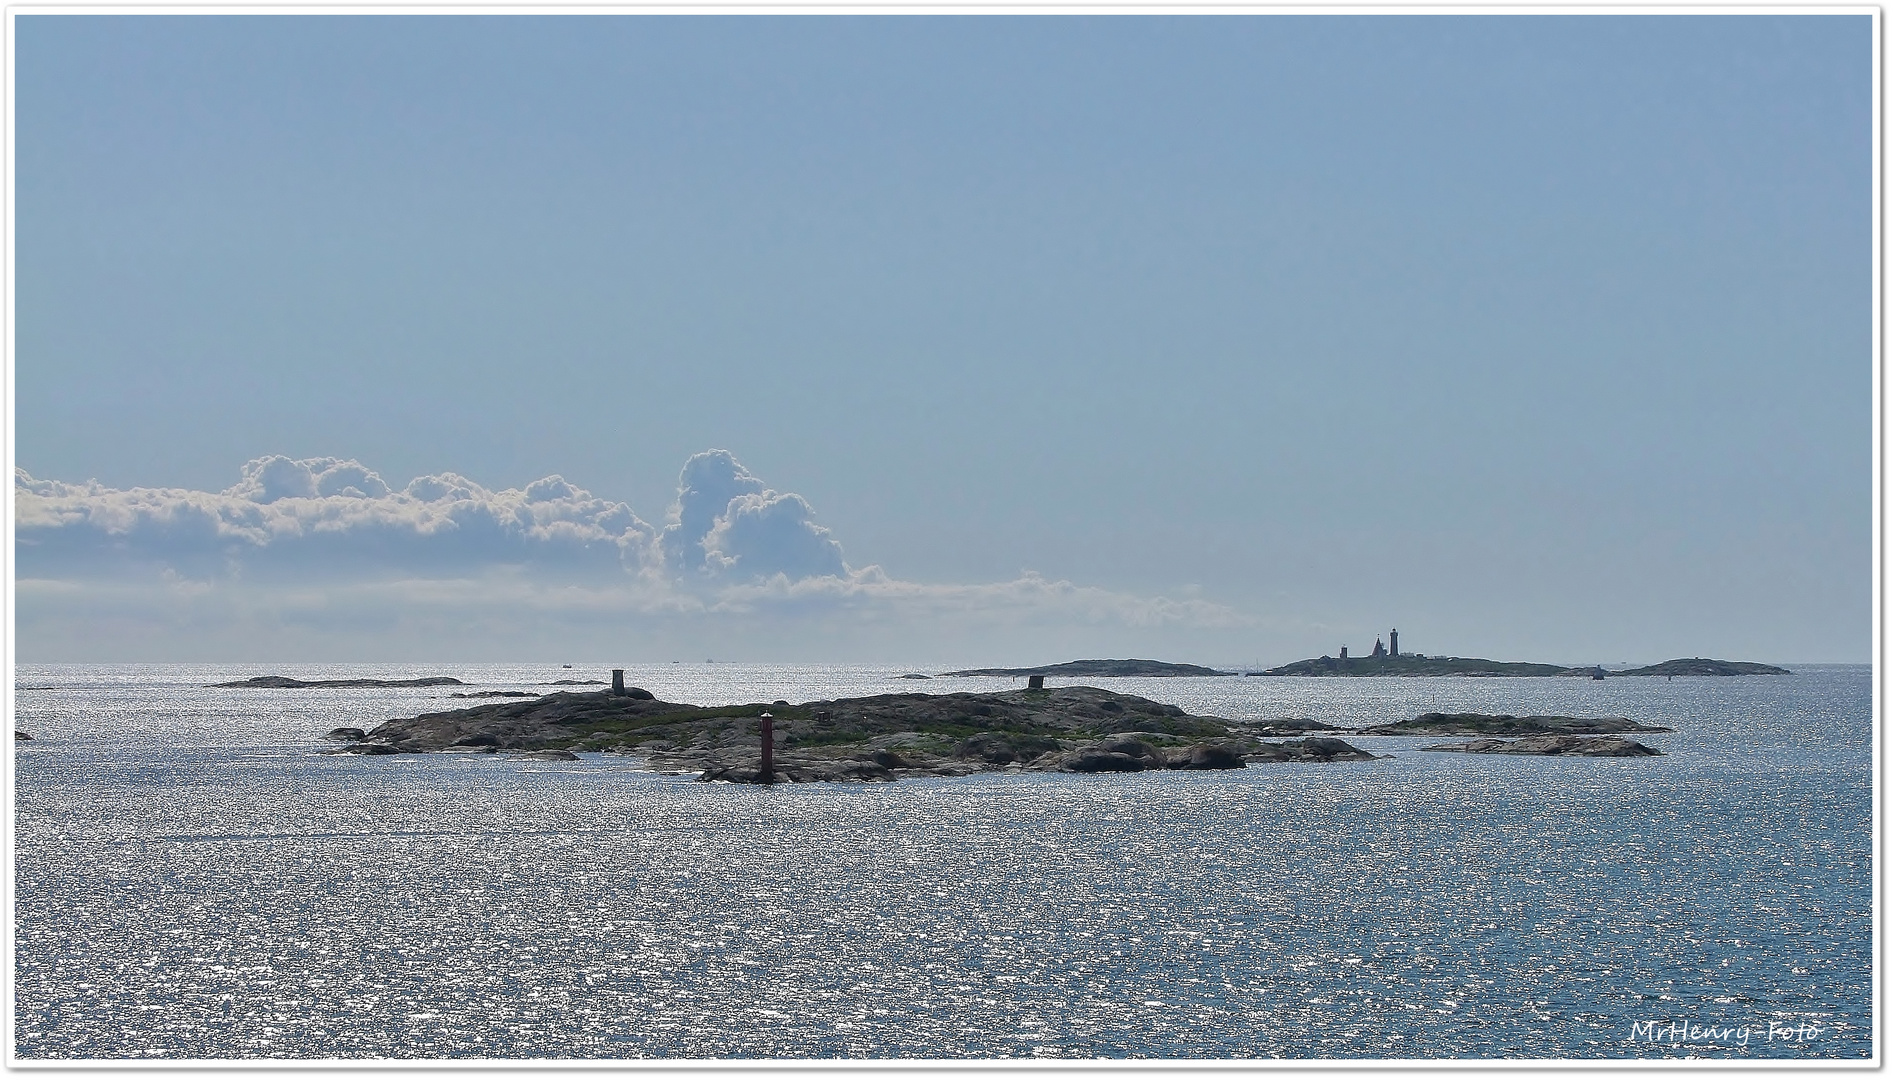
(1437,723)
(883,737)
(1072,729)
(1418,665)
(1553,746)
(1094,669)
(284,682)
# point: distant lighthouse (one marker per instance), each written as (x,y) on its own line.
(1393,643)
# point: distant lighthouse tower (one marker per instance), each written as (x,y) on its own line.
(1393,643)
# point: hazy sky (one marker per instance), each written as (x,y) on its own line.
(1218,339)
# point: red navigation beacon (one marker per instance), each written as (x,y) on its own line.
(767,774)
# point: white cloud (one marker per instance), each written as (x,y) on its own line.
(709,483)
(298,549)
(323,517)
(268,479)
(727,527)
(767,534)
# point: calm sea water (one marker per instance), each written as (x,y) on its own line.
(194,880)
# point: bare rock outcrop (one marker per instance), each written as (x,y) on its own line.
(1553,746)
(1434,723)
(871,739)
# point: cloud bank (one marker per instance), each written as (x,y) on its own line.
(322,518)
(301,548)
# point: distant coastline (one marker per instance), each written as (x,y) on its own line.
(284,682)
(1381,662)
(1416,665)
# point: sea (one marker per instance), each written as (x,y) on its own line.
(194,878)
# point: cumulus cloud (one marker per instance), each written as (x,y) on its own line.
(709,483)
(327,515)
(326,545)
(323,517)
(761,536)
(268,479)
(728,527)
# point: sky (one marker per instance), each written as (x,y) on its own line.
(942,339)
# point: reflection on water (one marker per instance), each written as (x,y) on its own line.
(194,880)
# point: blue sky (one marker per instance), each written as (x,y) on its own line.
(1211,338)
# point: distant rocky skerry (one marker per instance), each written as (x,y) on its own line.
(1697,665)
(1435,723)
(1078,729)
(1553,746)
(1418,665)
(1092,669)
(284,682)
(1535,736)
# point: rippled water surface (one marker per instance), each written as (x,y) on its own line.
(193,879)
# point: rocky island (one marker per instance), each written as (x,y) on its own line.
(284,682)
(1537,736)
(1699,666)
(1434,723)
(1093,669)
(1552,746)
(1414,664)
(886,737)
(1418,665)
